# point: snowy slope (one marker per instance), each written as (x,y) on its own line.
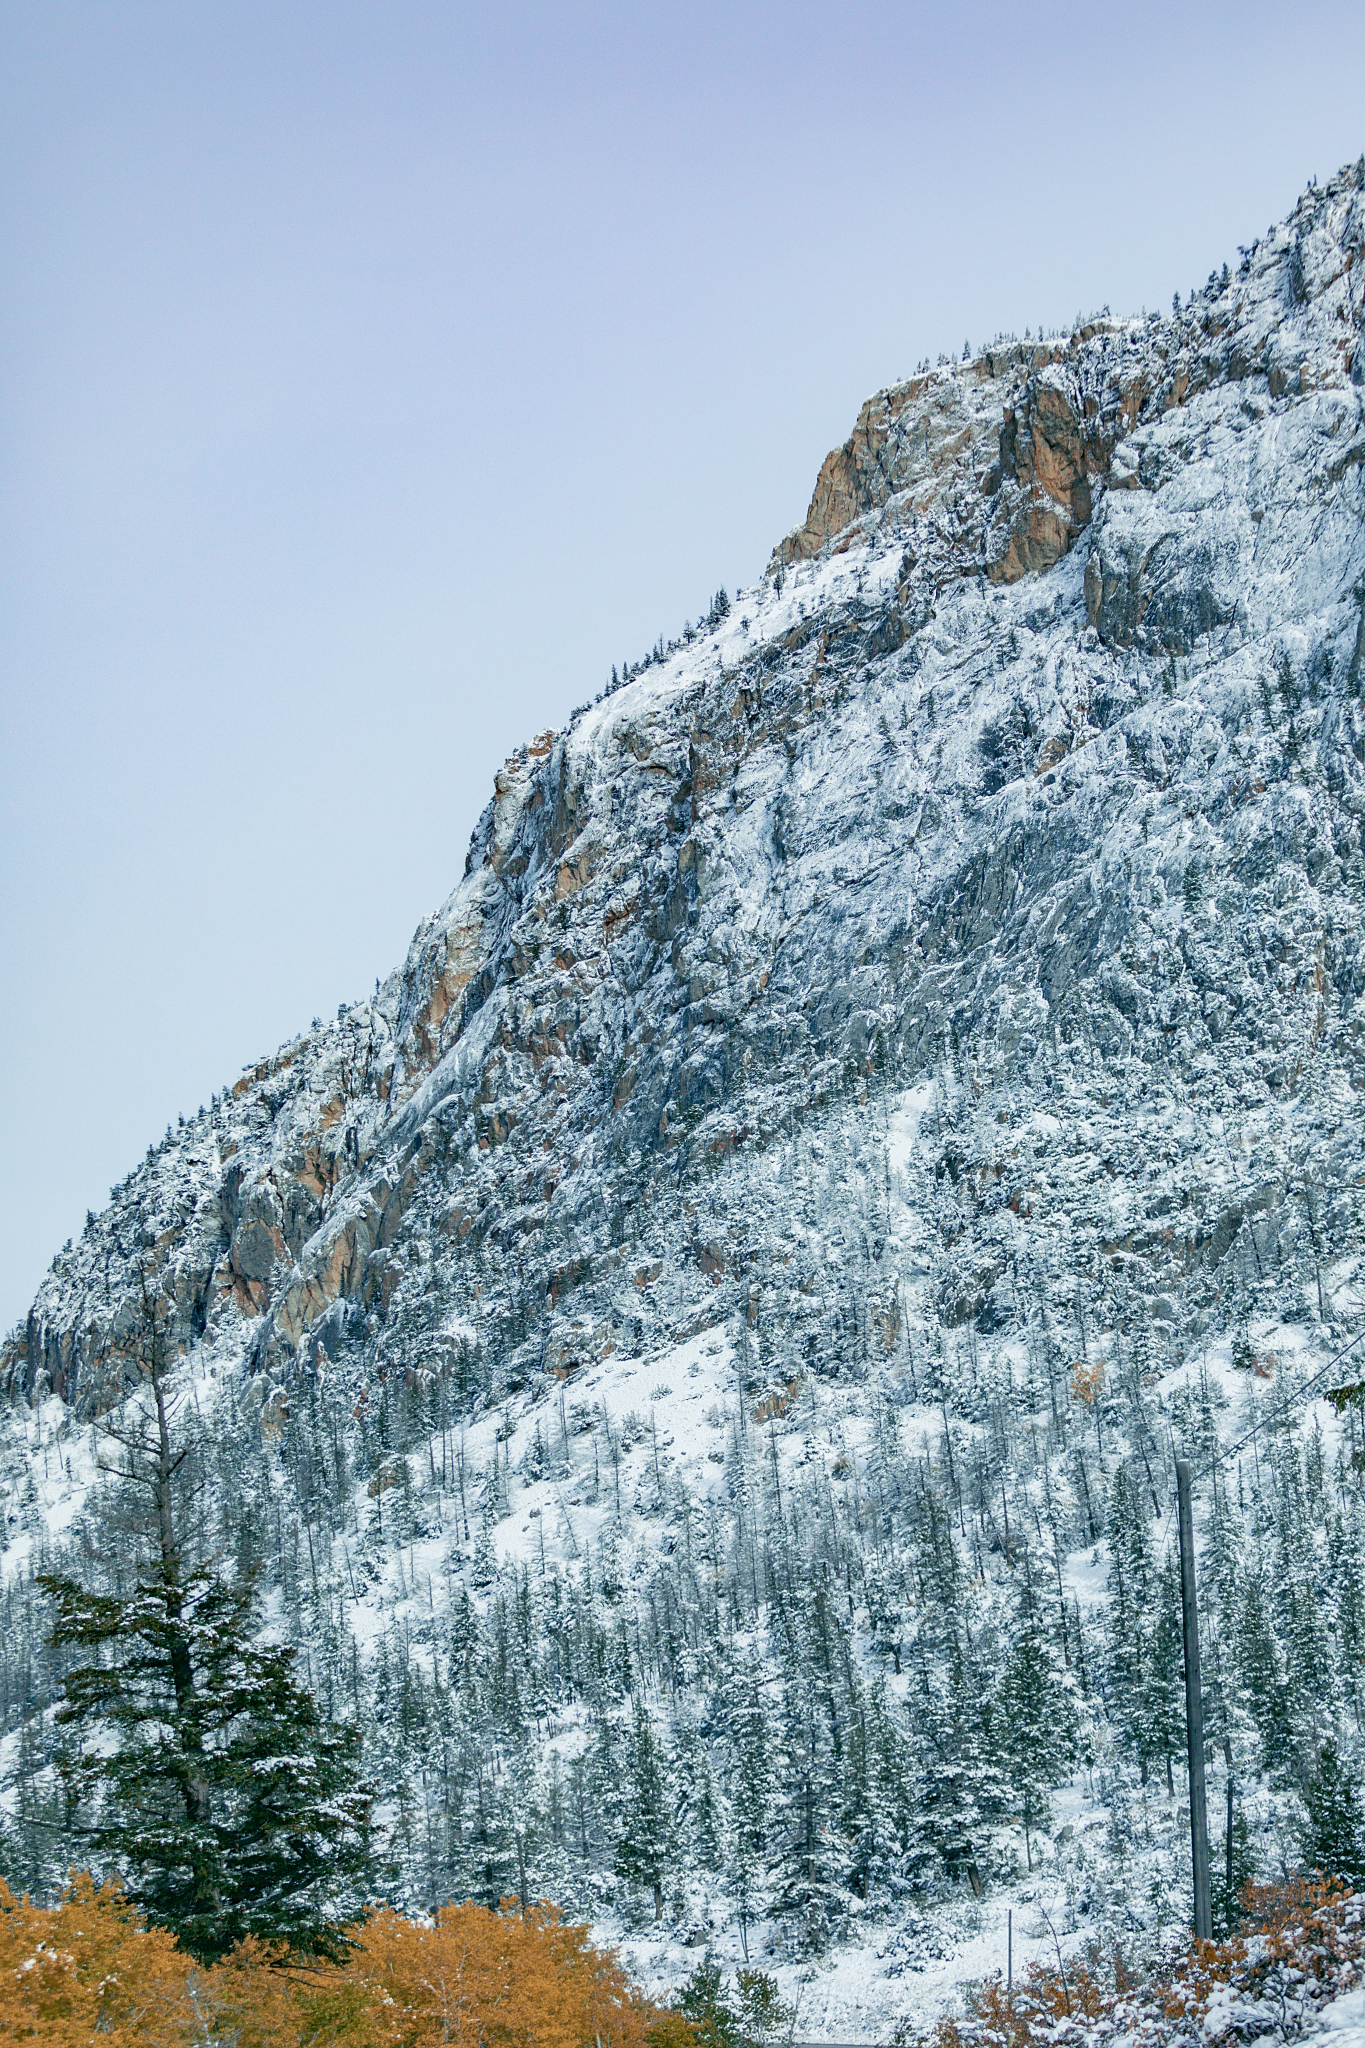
(903,1046)
(1090,820)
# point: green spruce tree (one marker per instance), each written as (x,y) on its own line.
(964,1788)
(751,1798)
(195,1763)
(1263,1679)
(1334,1839)
(1037,1718)
(1159,1710)
(1130,1572)
(645,1846)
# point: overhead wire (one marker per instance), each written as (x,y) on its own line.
(1229,1450)
(1299,1394)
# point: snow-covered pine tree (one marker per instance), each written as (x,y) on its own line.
(644,1848)
(751,1803)
(808,1891)
(521,1812)
(1159,1709)
(700,1813)
(1346,1567)
(1036,1715)
(203,1769)
(1130,1570)
(880,1818)
(197,1764)
(486,1869)
(1334,1839)
(1263,1676)
(964,1789)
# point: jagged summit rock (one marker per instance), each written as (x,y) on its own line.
(1005,838)
(1000,459)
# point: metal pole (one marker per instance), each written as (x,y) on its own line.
(1194,1712)
(1009,1949)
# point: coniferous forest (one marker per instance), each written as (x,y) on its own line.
(672,1408)
(929,1622)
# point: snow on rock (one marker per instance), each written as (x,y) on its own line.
(930,991)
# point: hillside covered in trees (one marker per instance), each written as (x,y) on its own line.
(692,1368)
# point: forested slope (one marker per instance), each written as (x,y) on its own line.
(697,1358)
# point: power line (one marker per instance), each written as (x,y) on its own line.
(1230,1450)
(1300,1394)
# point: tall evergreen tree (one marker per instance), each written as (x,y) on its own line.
(1159,1714)
(1037,1717)
(880,1817)
(643,1851)
(809,1890)
(700,1818)
(1334,1840)
(751,1798)
(964,1787)
(204,1771)
(1129,1574)
(1348,1587)
(487,1866)
(1263,1677)
(522,1814)
(196,1764)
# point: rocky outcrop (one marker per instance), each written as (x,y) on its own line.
(1006,456)
(1030,777)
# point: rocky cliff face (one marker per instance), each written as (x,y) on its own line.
(1032,771)
(908,1044)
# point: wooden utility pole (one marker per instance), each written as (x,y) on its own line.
(1194,1712)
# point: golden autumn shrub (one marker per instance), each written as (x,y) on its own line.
(88,1973)
(671,2030)
(477,1979)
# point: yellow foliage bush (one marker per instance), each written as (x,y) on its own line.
(478,1979)
(88,1973)
(88,1970)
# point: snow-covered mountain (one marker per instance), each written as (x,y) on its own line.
(889,1074)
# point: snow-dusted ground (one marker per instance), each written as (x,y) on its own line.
(1343,2021)
(913,1967)
(593,1467)
(904,1043)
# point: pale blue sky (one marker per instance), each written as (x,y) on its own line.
(373,377)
